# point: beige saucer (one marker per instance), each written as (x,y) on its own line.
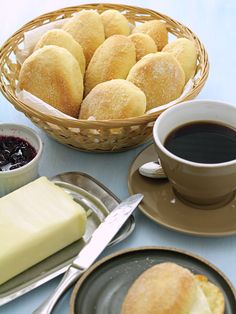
(161,204)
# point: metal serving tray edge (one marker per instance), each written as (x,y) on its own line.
(81,186)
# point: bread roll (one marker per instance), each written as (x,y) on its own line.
(167,288)
(160,76)
(155,29)
(213,294)
(52,74)
(185,52)
(87,29)
(114,23)
(115,99)
(164,288)
(112,60)
(144,45)
(60,38)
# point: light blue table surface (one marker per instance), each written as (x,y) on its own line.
(215,23)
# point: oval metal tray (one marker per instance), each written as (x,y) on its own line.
(98,201)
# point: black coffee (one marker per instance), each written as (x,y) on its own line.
(203,142)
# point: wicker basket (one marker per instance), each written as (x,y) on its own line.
(105,135)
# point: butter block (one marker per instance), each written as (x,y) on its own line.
(36,221)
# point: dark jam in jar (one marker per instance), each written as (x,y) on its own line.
(14,153)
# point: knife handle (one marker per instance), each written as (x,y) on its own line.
(68,279)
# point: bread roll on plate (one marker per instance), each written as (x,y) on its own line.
(87,29)
(115,99)
(112,60)
(144,45)
(160,76)
(52,74)
(185,52)
(114,23)
(213,294)
(60,38)
(155,29)
(166,288)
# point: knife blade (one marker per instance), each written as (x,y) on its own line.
(99,240)
(106,231)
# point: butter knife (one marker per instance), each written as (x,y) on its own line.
(98,242)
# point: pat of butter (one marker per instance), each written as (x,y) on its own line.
(36,221)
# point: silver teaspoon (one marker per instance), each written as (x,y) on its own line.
(153,170)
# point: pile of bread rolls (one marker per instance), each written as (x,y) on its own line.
(171,288)
(96,67)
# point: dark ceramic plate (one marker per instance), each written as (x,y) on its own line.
(102,289)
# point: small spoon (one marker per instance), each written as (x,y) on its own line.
(153,170)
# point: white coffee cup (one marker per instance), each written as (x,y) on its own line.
(198,183)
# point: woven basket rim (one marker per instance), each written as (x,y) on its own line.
(143,119)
